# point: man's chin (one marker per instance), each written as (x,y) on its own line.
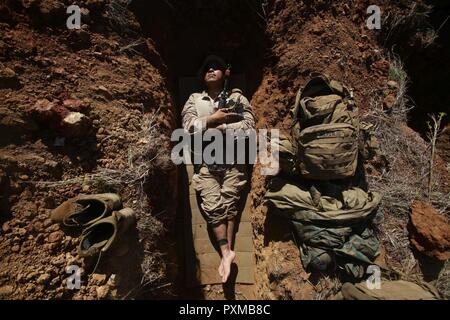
(211,80)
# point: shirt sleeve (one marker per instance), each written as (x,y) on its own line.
(249,118)
(190,119)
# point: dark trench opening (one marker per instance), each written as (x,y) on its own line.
(184,33)
(426,61)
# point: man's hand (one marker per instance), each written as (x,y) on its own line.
(222,116)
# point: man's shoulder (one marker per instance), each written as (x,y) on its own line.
(194,97)
(197,94)
(236,91)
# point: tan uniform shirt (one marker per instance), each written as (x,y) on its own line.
(200,105)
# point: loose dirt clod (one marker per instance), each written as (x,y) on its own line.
(429,231)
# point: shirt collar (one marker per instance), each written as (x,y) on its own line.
(205,96)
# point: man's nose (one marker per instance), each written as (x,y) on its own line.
(211,69)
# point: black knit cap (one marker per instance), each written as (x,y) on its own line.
(210,60)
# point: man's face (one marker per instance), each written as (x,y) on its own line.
(213,75)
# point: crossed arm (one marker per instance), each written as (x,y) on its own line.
(221,119)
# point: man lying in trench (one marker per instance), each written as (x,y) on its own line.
(220,186)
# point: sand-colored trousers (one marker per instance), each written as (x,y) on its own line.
(220,192)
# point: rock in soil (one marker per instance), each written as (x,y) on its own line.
(429,231)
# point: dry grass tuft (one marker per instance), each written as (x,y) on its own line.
(410,23)
(443,281)
(327,287)
(118,15)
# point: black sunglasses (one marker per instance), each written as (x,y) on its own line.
(212,65)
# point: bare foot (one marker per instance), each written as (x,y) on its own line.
(227,260)
(220,269)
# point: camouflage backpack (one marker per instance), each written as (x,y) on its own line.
(325,130)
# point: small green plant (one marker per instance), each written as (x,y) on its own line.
(433,132)
(398,74)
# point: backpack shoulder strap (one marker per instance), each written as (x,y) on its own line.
(296,107)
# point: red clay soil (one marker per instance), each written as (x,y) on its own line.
(120,88)
(429,231)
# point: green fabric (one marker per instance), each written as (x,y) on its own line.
(316,258)
(321,237)
(331,229)
(389,290)
(297,203)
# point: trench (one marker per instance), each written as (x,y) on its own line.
(184,33)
